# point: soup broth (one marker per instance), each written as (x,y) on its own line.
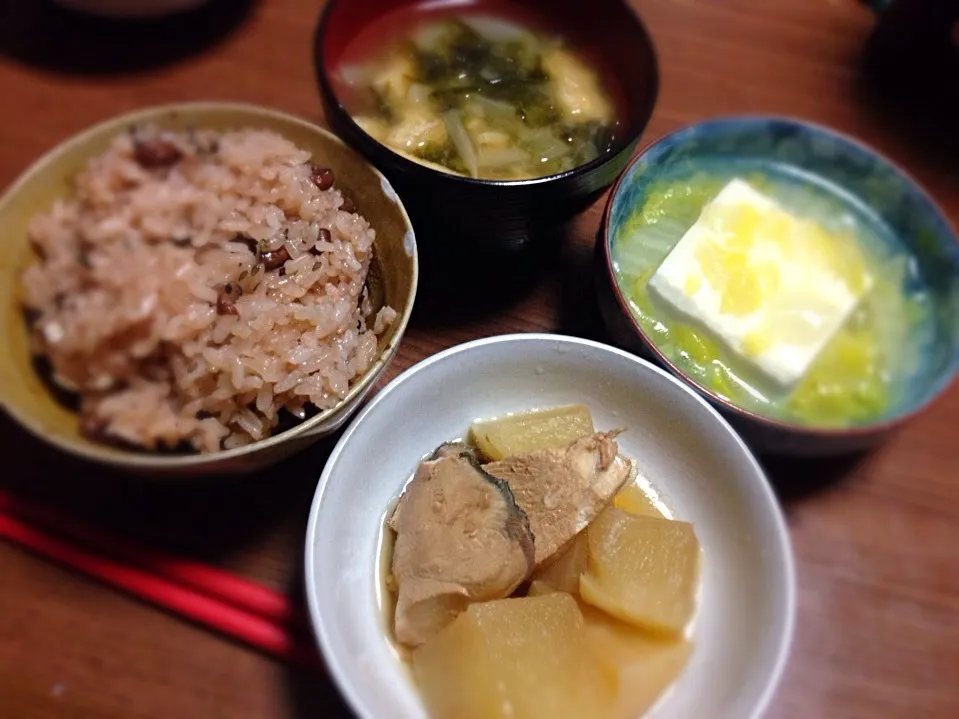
(859,374)
(479,95)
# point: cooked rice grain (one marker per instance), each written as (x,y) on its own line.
(154,304)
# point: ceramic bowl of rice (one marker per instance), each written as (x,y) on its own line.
(199,288)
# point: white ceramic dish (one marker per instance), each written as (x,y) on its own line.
(702,469)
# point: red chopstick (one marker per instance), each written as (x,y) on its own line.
(266,635)
(208,580)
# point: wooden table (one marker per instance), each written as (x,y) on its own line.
(877,538)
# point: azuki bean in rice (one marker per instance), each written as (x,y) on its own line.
(169,330)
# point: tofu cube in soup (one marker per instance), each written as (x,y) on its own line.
(774,287)
(576,88)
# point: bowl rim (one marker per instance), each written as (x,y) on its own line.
(938,216)
(133,459)
(329,95)
(764,488)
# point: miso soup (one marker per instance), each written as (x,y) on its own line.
(479,95)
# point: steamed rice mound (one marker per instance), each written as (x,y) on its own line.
(200,284)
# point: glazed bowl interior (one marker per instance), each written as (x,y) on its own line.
(28,397)
(867,184)
(686,450)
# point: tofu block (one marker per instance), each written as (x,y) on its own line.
(773,287)
(576,88)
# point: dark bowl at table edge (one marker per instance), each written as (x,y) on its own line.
(765,435)
(501,215)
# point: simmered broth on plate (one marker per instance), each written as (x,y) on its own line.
(532,571)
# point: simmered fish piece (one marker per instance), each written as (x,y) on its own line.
(562,490)
(460,538)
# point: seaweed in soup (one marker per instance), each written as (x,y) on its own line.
(486,98)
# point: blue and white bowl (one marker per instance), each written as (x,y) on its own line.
(860,176)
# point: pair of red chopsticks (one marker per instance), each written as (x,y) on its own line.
(238,608)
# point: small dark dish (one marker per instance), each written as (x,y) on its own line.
(860,176)
(463,214)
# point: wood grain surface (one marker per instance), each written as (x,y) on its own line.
(876,537)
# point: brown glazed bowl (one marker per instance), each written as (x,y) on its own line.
(29,400)
(460,216)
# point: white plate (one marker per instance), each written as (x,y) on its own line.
(703,471)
